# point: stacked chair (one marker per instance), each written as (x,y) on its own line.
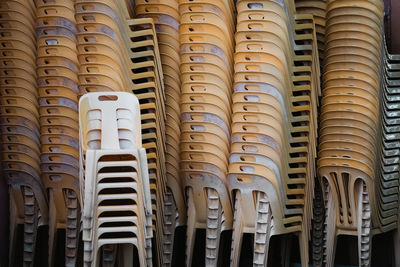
(20,130)
(124,56)
(147,78)
(358,155)
(100,51)
(305,104)
(207,42)
(101,48)
(122,121)
(165,15)
(57,78)
(390,147)
(271,164)
(317,8)
(390,156)
(116,183)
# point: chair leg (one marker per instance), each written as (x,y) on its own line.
(191,231)
(237,235)
(88,253)
(364,227)
(329,233)
(13,228)
(52,227)
(169,227)
(72,228)
(30,225)
(396,241)
(262,230)
(303,244)
(318,227)
(214,224)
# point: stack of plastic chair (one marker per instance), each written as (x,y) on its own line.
(107,34)
(166,20)
(115,177)
(103,51)
(306,94)
(390,147)
(101,47)
(148,87)
(271,165)
(350,126)
(206,37)
(57,68)
(20,129)
(317,8)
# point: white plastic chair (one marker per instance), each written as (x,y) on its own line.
(111,149)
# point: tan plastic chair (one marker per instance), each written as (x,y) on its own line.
(55,11)
(15,5)
(341,50)
(353,34)
(58,90)
(281,99)
(172,3)
(13,24)
(205,68)
(364,14)
(351,108)
(26,194)
(346,122)
(351,64)
(226,6)
(356,207)
(57,71)
(16,58)
(353,43)
(19,127)
(208,8)
(205,37)
(56,61)
(352,99)
(157,9)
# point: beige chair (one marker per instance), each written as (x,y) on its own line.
(263,126)
(57,60)
(206,40)
(20,151)
(111,149)
(350,133)
(317,8)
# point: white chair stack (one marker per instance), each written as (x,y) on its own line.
(114,178)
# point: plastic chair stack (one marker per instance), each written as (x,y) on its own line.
(114,171)
(317,8)
(113,57)
(57,68)
(389,172)
(350,127)
(166,20)
(147,77)
(20,130)
(102,49)
(273,138)
(390,147)
(207,42)
(305,103)
(109,39)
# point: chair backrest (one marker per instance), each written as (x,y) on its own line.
(109,121)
